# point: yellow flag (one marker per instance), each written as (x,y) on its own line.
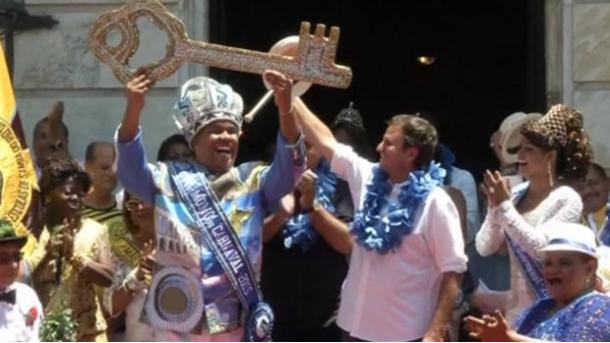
(16,169)
(7,97)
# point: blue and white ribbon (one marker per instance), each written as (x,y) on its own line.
(193,188)
(532,269)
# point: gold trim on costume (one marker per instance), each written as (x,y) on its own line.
(122,246)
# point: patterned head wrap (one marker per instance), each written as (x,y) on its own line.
(553,125)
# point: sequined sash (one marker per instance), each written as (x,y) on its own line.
(195,192)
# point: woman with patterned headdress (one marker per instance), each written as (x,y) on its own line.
(554,151)
(72,258)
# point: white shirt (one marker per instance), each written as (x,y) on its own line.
(393,297)
(21,322)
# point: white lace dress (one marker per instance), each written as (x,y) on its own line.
(562,204)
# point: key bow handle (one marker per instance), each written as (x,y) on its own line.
(123,21)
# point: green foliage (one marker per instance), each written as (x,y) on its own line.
(6,229)
(58,327)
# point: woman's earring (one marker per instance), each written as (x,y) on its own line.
(550,173)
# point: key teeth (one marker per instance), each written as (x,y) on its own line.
(333,36)
(320,30)
(305,27)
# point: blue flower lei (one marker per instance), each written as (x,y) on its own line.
(384,233)
(299,229)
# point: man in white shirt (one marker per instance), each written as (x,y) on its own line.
(408,252)
(20,309)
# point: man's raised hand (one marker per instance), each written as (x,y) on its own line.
(282,90)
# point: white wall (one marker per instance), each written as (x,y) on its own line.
(578,68)
(56,64)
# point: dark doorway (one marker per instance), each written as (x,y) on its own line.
(489,63)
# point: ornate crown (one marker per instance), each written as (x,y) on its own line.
(203,101)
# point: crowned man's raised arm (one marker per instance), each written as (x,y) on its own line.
(132,164)
(288,160)
(276,181)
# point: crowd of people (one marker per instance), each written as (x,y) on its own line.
(323,243)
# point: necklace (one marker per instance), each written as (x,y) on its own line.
(382,233)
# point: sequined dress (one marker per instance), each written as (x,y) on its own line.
(586,319)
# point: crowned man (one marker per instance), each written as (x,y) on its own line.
(406,263)
(208,213)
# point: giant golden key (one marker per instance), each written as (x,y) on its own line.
(314,62)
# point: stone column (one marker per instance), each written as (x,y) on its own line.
(578,68)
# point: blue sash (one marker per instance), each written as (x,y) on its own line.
(194,190)
(532,269)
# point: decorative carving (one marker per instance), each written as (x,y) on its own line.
(314,62)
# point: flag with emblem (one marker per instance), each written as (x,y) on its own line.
(16,167)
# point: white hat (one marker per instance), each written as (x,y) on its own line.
(203,101)
(565,236)
(510,133)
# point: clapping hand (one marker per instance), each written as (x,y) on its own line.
(489,328)
(286,207)
(307,187)
(69,230)
(496,188)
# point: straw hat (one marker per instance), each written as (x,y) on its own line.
(510,133)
